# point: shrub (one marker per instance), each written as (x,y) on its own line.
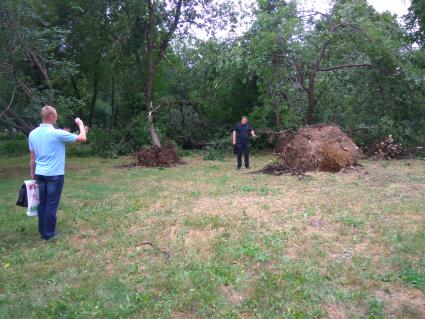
(114,142)
(213,154)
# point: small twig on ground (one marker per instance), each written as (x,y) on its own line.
(166,253)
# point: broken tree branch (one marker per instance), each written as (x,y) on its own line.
(344,66)
(10,104)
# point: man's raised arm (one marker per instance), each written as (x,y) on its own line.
(82,137)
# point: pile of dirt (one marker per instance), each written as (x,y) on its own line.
(316,147)
(386,149)
(155,156)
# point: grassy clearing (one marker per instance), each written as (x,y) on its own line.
(204,240)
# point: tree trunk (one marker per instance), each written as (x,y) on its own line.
(274,95)
(37,61)
(150,74)
(93,101)
(78,95)
(154,133)
(311,105)
(113,105)
(18,122)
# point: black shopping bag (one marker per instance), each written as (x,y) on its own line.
(22,197)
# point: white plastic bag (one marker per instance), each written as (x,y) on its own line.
(33,199)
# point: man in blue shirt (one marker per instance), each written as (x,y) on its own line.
(240,138)
(47,166)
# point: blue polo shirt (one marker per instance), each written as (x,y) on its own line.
(48,144)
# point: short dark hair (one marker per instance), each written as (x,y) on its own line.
(46,111)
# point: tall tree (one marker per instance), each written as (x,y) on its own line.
(28,45)
(416,20)
(175,14)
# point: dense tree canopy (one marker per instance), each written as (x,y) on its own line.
(136,72)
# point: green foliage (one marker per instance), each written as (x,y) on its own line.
(212,154)
(416,21)
(414,275)
(113,142)
(15,146)
(95,58)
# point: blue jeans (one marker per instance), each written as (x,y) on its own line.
(243,148)
(50,190)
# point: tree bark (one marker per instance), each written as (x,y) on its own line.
(274,97)
(171,31)
(37,61)
(311,105)
(18,122)
(114,110)
(93,100)
(150,74)
(78,95)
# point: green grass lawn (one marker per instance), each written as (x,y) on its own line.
(203,240)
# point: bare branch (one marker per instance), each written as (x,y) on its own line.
(192,22)
(36,59)
(299,72)
(312,13)
(320,95)
(344,66)
(10,104)
(172,29)
(288,99)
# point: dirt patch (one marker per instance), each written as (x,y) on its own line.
(335,312)
(201,241)
(400,302)
(233,296)
(317,147)
(240,207)
(182,315)
(155,156)
(317,222)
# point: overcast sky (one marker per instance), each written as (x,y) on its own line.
(398,7)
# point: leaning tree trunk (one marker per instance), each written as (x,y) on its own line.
(18,122)
(150,74)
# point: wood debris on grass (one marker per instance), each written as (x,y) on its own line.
(386,149)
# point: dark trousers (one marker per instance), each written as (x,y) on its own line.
(50,190)
(243,148)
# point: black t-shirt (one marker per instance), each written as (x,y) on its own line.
(242,133)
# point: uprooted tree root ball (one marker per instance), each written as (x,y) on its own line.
(155,156)
(317,147)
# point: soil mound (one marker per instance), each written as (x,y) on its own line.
(155,156)
(316,147)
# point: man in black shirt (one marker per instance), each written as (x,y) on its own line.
(240,138)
